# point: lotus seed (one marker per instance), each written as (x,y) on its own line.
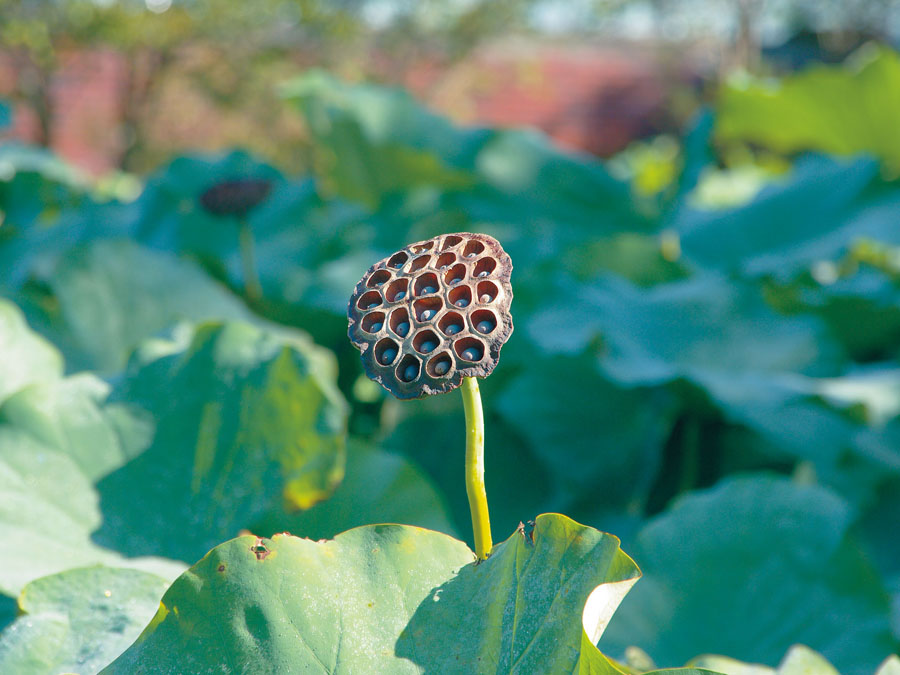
(388,355)
(409,373)
(429,289)
(485,326)
(483,273)
(485,298)
(403,328)
(375,327)
(441,368)
(400,295)
(462,302)
(470,354)
(427,314)
(428,346)
(372,304)
(452,329)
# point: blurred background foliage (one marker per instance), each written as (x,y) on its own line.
(124,84)
(705,360)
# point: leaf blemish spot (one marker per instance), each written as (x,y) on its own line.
(260,550)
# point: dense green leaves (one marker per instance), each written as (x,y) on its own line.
(815,213)
(773,562)
(699,329)
(244,419)
(665,342)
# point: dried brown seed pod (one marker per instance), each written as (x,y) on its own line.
(433,313)
(235,197)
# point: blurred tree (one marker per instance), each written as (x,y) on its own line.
(231,51)
(230,54)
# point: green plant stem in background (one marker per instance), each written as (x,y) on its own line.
(481,523)
(252,287)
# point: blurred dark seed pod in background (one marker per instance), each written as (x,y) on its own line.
(235,197)
(433,313)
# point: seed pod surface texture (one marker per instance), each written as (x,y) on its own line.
(432,313)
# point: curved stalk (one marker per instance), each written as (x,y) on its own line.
(252,286)
(481,524)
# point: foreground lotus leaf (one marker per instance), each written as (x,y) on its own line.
(391,598)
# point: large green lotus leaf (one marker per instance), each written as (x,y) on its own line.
(45,209)
(244,418)
(371,141)
(71,416)
(844,109)
(574,417)
(564,188)
(114,294)
(835,423)
(815,213)
(50,508)
(36,509)
(390,598)
(772,562)
(385,115)
(706,329)
(27,357)
(762,369)
(378,487)
(79,620)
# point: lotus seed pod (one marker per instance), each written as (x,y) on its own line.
(433,313)
(235,197)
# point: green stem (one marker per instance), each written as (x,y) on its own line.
(252,288)
(481,524)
